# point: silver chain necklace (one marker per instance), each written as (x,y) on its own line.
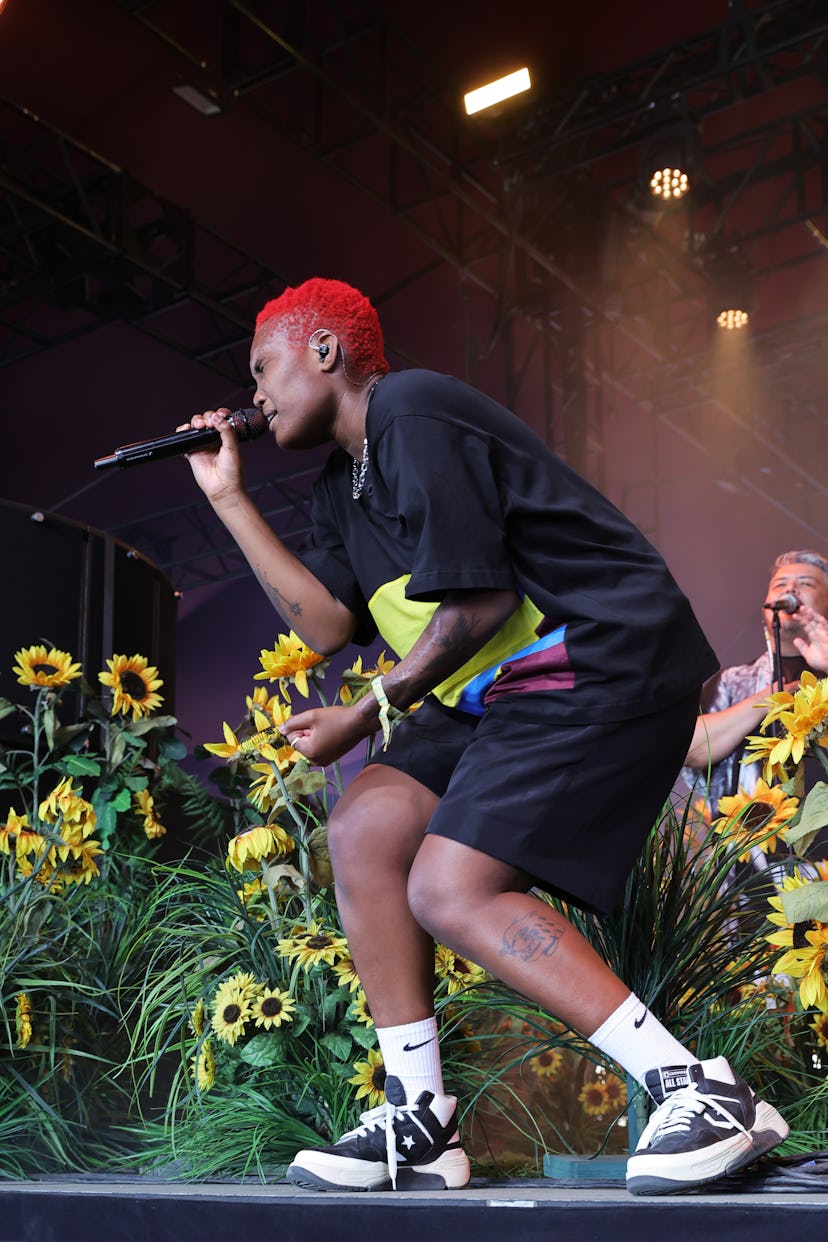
(360,468)
(358,472)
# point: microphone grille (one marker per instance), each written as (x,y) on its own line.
(248,424)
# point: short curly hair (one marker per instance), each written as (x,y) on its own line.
(803,557)
(330,304)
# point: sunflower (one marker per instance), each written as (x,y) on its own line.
(355,682)
(802,715)
(23,1020)
(761,749)
(273,1007)
(229,748)
(546,1064)
(459,972)
(615,1091)
(134,683)
(346,972)
(360,1010)
(80,864)
(312,945)
(784,938)
(251,891)
(246,983)
(369,1079)
(145,805)
(10,832)
(204,1066)
(65,804)
(231,1011)
(197,1016)
(289,661)
(593,1098)
(38,667)
(755,819)
(820,1028)
(250,848)
(807,961)
(806,946)
(261,700)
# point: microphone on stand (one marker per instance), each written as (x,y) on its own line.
(248,425)
(785,603)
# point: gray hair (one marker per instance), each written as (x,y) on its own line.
(803,557)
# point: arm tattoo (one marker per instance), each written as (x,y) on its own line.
(286,607)
(532,937)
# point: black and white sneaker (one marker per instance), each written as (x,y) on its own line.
(396,1146)
(708,1123)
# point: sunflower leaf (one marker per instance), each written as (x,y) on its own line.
(306,781)
(264,1049)
(6,708)
(49,725)
(337,1043)
(107,820)
(809,902)
(81,765)
(813,817)
(365,1036)
(172,748)
(139,727)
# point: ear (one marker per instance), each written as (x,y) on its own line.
(326,346)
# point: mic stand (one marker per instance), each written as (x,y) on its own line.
(777,654)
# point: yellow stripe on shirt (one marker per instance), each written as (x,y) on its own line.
(401,621)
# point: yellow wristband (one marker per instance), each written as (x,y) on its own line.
(384,710)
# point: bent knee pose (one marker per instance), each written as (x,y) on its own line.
(556,668)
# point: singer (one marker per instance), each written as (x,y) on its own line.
(559,667)
(732,700)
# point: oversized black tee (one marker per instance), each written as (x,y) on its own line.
(461,495)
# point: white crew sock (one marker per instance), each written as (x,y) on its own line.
(634,1038)
(411,1052)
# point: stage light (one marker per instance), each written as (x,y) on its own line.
(495,92)
(669,159)
(669,183)
(206,104)
(731,291)
(732,319)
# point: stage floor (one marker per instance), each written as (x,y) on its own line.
(116,1210)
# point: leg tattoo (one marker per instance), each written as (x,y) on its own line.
(532,936)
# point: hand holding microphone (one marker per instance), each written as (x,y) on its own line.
(248,424)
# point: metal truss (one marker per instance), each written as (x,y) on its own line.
(83,236)
(513,206)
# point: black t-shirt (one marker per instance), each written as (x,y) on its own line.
(460,494)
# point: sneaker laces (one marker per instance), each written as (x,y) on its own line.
(682,1106)
(383,1115)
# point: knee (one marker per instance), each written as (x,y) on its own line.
(434,898)
(348,844)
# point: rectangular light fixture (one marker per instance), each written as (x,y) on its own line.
(203,103)
(495,92)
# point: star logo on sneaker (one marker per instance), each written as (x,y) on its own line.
(408,1142)
(414,1047)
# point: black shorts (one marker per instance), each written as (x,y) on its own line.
(570,805)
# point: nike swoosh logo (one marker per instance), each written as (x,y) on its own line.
(414,1047)
(639,1022)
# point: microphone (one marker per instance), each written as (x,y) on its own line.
(785,603)
(248,425)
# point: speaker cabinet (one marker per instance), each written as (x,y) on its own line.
(80,590)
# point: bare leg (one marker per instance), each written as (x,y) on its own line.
(481,908)
(374,834)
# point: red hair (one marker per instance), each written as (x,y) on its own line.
(339,308)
